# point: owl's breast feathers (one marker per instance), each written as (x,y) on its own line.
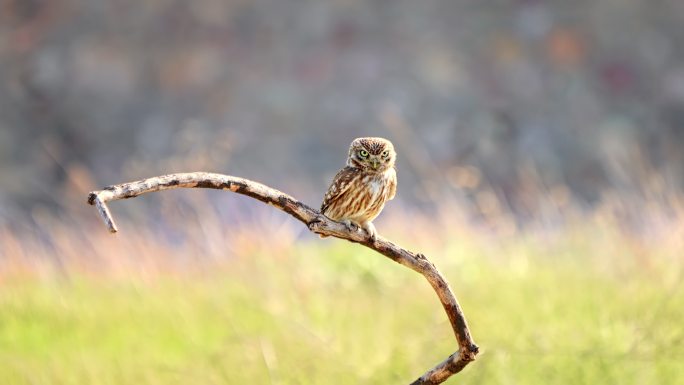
(359,195)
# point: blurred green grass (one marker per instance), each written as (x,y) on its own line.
(586,306)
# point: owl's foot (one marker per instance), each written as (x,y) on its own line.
(368,226)
(351,226)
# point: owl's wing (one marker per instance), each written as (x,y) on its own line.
(339,187)
(392,186)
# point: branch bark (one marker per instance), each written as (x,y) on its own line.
(320,224)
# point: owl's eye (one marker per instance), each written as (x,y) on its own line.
(363,153)
(385,153)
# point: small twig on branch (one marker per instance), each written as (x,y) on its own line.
(320,224)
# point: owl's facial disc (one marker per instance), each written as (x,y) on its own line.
(372,153)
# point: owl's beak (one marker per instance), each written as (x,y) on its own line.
(375,164)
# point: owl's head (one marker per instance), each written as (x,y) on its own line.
(372,154)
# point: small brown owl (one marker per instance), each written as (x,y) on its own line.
(359,191)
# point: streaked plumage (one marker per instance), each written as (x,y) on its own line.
(359,191)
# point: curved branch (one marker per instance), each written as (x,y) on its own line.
(320,224)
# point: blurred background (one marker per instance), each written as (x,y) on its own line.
(539,151)
(582,97)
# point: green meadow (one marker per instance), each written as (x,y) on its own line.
(588,304)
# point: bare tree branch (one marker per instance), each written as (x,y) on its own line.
(320,224)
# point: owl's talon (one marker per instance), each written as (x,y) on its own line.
(351,226)
(370,228)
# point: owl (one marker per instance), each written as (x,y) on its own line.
(359,191)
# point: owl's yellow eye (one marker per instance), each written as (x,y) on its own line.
(363,153)
(385,153)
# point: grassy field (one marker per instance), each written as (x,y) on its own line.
(586,305)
